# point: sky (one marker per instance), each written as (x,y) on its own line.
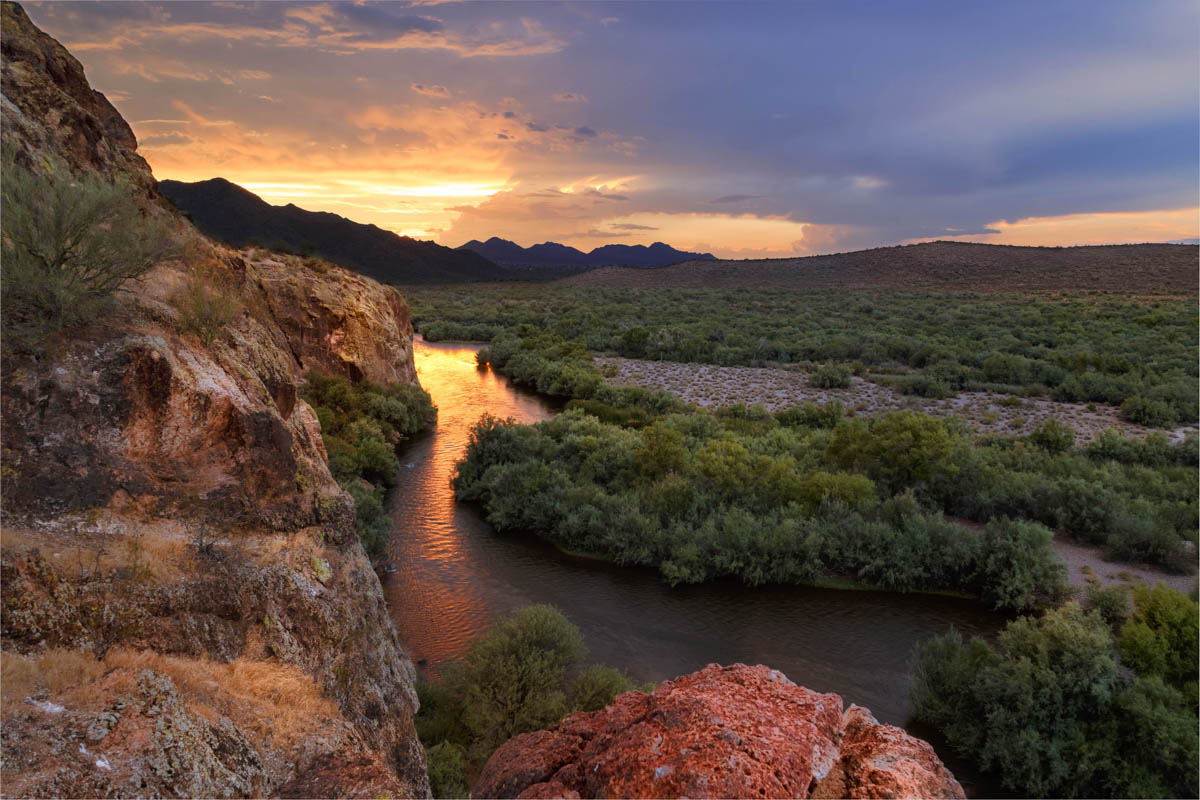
(747,129)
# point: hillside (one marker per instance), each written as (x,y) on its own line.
(227,212)
(549,257)
(934,265)
(186,606)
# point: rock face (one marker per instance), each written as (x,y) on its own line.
(185,608)
(733,731)
(50,108)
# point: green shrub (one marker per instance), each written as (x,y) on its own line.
(69,241)
(1020,569)
(1152,413)
(1047,711)
(830,376)
(812,415)
(1053,436)
(362,424)
(512,680)
(1110,602)
(1162,637)
(447,764)
(206,310)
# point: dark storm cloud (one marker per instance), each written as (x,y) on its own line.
(878,122)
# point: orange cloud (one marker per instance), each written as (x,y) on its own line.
(1101,228)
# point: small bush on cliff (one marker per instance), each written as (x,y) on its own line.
(69,241)
(206,309)
(513,680)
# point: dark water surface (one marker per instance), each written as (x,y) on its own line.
(454,575)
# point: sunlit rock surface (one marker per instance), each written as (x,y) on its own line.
(734,731)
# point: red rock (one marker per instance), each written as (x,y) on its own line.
(733,731)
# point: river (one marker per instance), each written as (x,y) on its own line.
(454,575)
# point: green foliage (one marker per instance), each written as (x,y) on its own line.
(1110,602)
(362,424)
(901,449)
(206,310)
(830,376)
(1162,637)
(1078,348)
(447,765)
(1047,710)
(69,241)
(812,415)
(699,501)
(1153,413)
(514,679)
(1053,436)
(1019,568)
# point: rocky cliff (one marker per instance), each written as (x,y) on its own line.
(721,732)
(186,609)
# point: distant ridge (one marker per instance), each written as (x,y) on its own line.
(226,211)
(955,266)
(552,255)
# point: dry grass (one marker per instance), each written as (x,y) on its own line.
(279,703)
(18,678)
(154,554)
(276,701)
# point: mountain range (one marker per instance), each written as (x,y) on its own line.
(226,211)
(553,255)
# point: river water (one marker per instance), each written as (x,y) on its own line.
(454,575)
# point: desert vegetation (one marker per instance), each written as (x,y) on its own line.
(1095,703)
(362,424)
(70,240)
(524,674)
(806,493)
(1129,351)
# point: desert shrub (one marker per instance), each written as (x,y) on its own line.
(371,521)
(1048,712)
(362,424)
(1053,436)
(512,680)
(447,764)
(206,309)
(812,415)
(1152,413)
(901,448)
(1110,602)
(1162,636)
(1019,568)
(596,687)
(830,376)
(69,241)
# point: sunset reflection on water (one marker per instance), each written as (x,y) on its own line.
(438,570)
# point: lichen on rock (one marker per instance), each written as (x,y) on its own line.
(734,731)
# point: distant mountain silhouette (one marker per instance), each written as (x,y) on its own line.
(552,255)
(226,211)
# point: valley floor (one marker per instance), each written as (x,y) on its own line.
(777,388)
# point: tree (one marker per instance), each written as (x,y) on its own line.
(69,241)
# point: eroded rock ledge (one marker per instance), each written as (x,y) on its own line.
(734,731)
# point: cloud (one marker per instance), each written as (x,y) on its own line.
(630,226)
(254,74)
(434,90)
(583,130)
(736,198)
(570,97)
(165,140)
(536,127)
(1135,227)
(502,136)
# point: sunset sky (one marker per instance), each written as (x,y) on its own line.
(743,129)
